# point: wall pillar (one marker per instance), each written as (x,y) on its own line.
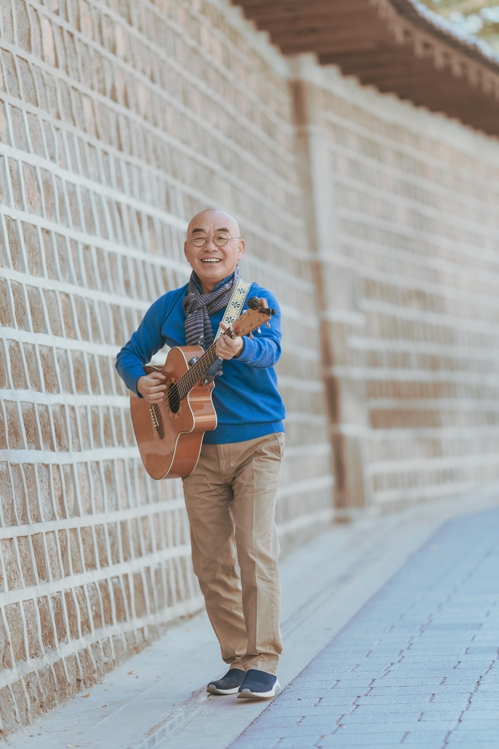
(337,294)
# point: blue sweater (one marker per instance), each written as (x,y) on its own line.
(245,396)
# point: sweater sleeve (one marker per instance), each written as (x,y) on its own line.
(264,349)
(144,343)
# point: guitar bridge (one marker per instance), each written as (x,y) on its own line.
(156,419)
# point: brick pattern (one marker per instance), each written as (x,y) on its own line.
(118,121)
(418,666)
(412,273)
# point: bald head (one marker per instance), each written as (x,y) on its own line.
(218,221)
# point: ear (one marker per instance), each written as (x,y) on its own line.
(240,248)
(186,252)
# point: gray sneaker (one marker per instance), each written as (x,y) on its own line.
(228,684)
(259,685)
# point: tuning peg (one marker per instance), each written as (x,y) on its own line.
(259,331)
(267,325)
(251,336)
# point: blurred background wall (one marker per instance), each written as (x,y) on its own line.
(406,206)
(374,222)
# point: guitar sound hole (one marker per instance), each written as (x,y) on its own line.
(173,398)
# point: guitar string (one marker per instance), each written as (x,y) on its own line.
(185,384)
(189,379)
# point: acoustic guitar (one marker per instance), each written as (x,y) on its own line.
(170,434)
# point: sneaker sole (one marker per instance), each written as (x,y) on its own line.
(212,689)
(246,694)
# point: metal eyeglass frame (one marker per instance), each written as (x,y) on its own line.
(207,238)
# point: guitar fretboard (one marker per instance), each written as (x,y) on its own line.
(189,379)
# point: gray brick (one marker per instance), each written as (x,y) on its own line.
(326,723)
(479,739)
(450,717)
(432,727)
(425,737)
(261,743)
(385,728)
(355,741)
(480,723)
(378,691)
(469,732)
(472,715)
(398,699)
(408,681)
(373,719)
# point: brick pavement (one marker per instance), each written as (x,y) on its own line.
(417,666)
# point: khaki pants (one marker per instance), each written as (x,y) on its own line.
(230,499)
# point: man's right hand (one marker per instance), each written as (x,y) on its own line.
(152,387)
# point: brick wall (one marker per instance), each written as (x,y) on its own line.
(376,224)
(118,121)
(406,206)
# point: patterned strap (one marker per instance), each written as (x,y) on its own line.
(235,305)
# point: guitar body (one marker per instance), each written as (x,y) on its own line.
(170,433)
(170,443)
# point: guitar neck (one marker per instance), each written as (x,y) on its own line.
(257,314)
(189,379)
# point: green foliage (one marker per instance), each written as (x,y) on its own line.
(477,17)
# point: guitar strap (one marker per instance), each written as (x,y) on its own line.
(235,305)
(232,312)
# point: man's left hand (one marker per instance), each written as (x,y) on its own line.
(227,348)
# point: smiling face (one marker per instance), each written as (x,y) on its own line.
(211,263)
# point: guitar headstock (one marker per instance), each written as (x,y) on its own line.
(258,314)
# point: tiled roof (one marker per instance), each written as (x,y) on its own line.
(398,46)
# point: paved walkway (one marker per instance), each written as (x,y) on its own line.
(158,700)
(416,667)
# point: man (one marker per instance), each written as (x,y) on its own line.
(230,495)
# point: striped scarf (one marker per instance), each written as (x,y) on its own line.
(198,307)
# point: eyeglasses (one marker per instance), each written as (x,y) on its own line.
(220,238)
